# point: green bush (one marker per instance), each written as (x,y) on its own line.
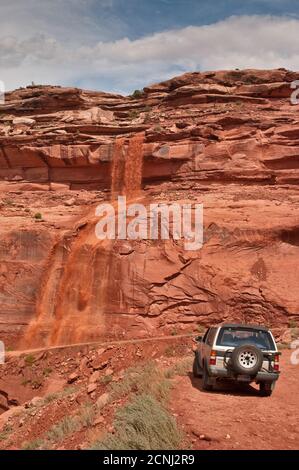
(137,94)
(145,378)
(180,368)
(29,360)
(5,433)
(47,371)
(33,445)
(143,424)
(86,415)
(66,426)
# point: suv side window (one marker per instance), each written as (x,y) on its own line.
(205,335)
(211,336)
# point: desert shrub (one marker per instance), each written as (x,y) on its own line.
(133,114)
(180,368)
(143,424)
(25,382)
(37,383)
(4,434)
(33,445)
(38,216)
(29,360)
(69,390)
(86,415)
(235,74)
(169,351)
(293,324)
(201,328)
(145,378)
(106,379)
(294,333)
(137,94)
(66,426)
(47,371)
(51,397)
(63,393)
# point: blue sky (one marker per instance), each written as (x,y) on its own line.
(142,17)
(120,45)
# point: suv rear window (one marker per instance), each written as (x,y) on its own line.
(237,336)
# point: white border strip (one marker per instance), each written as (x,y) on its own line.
(2,92)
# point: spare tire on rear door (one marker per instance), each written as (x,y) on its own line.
(246,359)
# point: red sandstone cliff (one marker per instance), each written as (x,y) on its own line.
(227,139)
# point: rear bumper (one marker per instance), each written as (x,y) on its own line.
(267,376)
(259,377)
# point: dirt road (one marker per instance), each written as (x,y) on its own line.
(65,347)
(231,418)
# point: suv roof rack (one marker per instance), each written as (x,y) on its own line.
(244,325)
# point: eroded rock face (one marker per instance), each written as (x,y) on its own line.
(229,140)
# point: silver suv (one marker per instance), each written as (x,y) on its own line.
(238,352)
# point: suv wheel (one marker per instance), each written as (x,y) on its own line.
(246,359)
(197,370)
(266,388)
(206,384)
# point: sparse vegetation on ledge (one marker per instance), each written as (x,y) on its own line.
(143,424)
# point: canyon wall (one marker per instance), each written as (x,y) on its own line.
(227,139)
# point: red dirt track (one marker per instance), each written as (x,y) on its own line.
(231,418)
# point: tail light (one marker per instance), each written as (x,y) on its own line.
(276,363)
(213,358)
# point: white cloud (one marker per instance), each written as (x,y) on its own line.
(122,65)
(68,21)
